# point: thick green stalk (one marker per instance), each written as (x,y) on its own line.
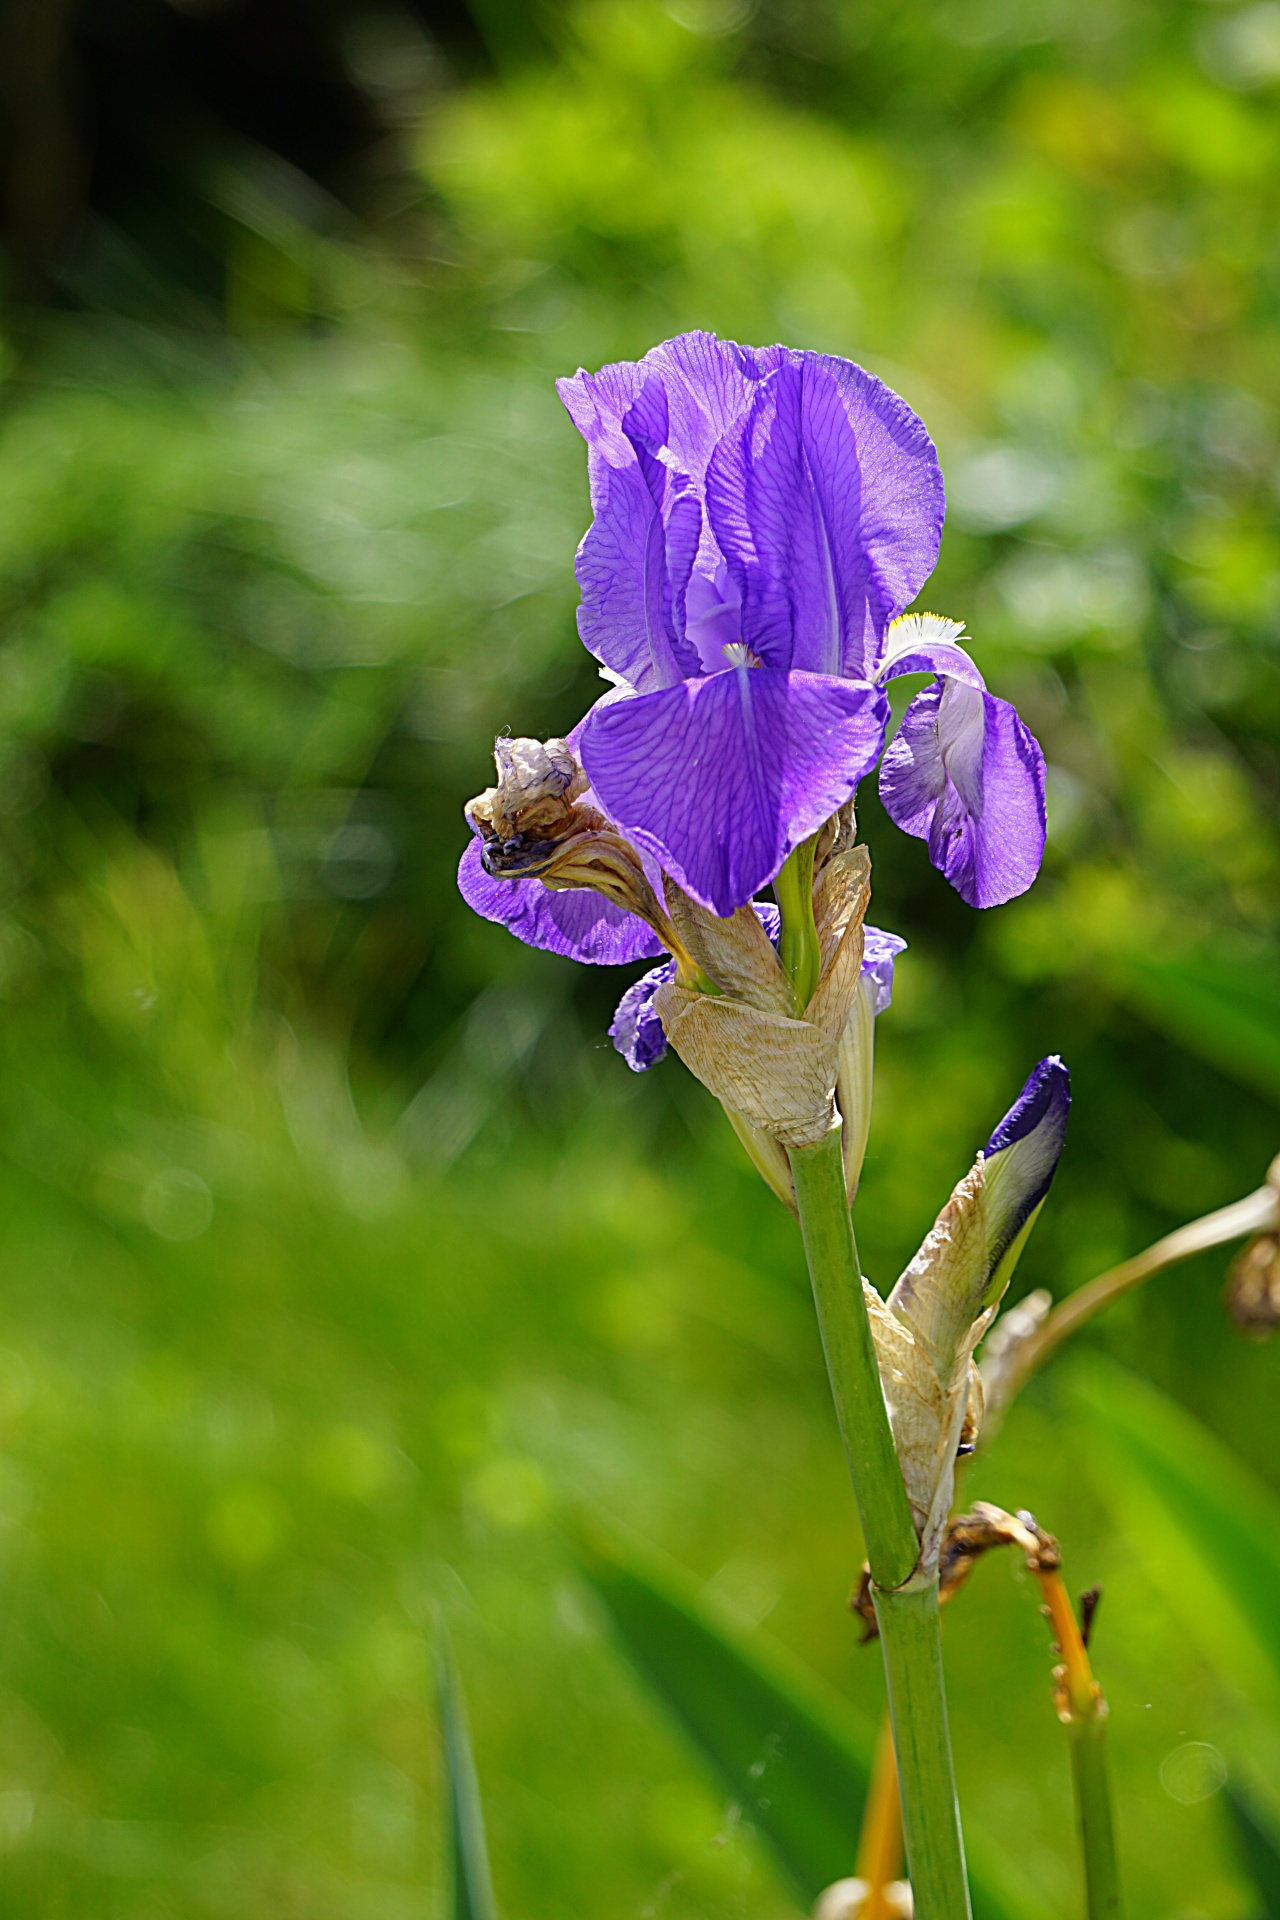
(798,947)
(909,1633)
(885,1512)
(909,1628)
(1083,1710)
(1092,1781)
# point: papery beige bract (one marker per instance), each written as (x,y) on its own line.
(930,1401)
(927,1330)
(766,1060)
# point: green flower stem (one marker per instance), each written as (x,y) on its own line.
(1083,1710)
(885,1512)
(909,1628)
(798,947)
(1091,1778)
(912,1642)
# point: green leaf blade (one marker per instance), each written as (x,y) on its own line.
(471,1894)
(1223,1005)
(794,1757)
(1258,1845)
(1219,1520)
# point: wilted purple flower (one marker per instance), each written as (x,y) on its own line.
(545,793)
(761,519)
(582,925)
(638,1033)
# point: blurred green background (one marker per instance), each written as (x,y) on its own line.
(343,1265)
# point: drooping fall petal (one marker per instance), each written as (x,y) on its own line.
(719,778)
(965,774)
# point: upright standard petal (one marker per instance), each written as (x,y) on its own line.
(719,778)
(579,924)
(965,774)
(826,500)
(634,562)
(708,383)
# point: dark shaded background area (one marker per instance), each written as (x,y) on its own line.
(111,110)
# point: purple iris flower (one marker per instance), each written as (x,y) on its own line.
(638,1034)
(761,519)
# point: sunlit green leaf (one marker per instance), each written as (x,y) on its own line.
(795,1757)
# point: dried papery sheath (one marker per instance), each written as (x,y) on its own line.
(638,1034)
(1253,1287)
(927,1330)
(769,1063)
(736,953)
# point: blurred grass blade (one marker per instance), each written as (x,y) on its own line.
(793,1756)
(1207,1526)
(1222,1005)
(798,1774)
(471,1896)
(1258,1845)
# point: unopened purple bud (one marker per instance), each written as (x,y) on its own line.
(1022,1154)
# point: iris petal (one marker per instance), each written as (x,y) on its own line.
(708,383)
(636,1030)
(826,500)
(634,562)
(965,774)
(719,778)
(879,952)
(579,924)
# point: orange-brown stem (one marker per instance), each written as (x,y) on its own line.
(1080,1695)
(880,1848)
(1083,1711)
